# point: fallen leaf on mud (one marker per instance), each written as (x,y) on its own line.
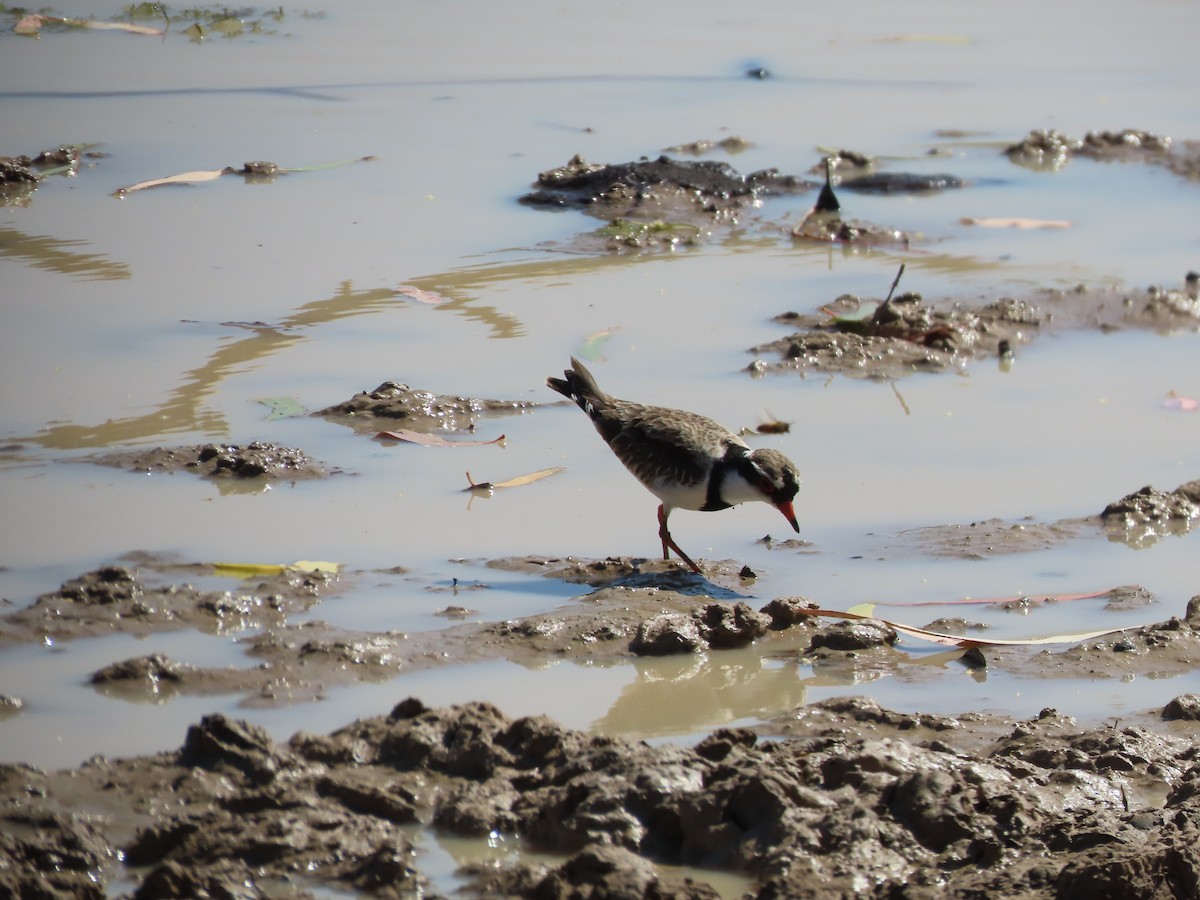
(265,570)
(32,23)
(310,565)
(430,440)
(958,640)
(248,570)
(1182,404)
(182,178)
(512,482)
(254,170)
(1015,223)
(115,26)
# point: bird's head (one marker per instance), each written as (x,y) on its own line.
(778,480)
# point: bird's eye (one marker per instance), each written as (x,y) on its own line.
(764,485)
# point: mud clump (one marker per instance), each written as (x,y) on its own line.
(116,599)
(1147,505)
(21,175)
(648,190)
(833,229)
(867,634)
(666,203)
(601,871)
(16,172)
(424,411)
(900,335)
(906,334)
(1145,515)
(702,191)
(23,170)
(717,625)
(258,459)
(1049,149)
(1185,706)
(152,670)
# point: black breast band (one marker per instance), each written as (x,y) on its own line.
(716,477)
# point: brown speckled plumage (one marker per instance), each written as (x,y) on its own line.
(687,460)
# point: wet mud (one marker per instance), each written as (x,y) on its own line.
(144,598)
(888,338)
(20,175)
(389,406)
(1051,150)
(847,799)
(255,460)
(844,798)
(24,169)
(667,203)
(392,404)
(1139,519)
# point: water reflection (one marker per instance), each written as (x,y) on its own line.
(692,694)
(55,255)
(184,408)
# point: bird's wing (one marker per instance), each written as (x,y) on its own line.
(649,443)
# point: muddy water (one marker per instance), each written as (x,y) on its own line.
(167,316)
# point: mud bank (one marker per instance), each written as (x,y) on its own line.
(841,798)
(855,801)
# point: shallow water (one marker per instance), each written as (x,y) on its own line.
(133,322)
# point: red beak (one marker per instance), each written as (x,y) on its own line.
(785,507)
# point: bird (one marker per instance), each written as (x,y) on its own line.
(685,459)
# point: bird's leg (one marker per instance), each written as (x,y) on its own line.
(669,542)
(662,531)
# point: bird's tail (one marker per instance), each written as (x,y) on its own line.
(579,385)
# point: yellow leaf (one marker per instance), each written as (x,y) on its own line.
(248,570)
(308,565)
(266,570)
(862,609)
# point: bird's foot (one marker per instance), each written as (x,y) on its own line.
(687,559)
